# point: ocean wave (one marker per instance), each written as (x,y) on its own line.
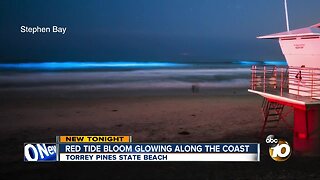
(183,77)
(116,75)
(86,65)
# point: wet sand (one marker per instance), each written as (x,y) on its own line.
(179,116)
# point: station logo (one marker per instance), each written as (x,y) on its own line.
(279,149)
(40,152)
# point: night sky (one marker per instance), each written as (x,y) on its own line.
(149,30)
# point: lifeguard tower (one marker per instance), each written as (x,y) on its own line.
(296,85)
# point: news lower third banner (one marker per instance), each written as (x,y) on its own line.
(121,148)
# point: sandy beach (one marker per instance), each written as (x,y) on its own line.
(167,116)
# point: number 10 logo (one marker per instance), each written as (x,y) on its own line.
(281,151)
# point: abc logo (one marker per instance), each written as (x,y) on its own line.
(271,140)
(279,149)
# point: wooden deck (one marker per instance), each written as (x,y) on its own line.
(288,98)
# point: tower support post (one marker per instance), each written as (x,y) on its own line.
(306,129)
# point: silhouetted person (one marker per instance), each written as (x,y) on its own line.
(195,88)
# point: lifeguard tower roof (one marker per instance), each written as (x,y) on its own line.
(300,47)
(313,30)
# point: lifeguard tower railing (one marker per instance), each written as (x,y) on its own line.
(300,81)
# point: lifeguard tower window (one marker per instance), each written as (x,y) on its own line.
(286,39)
(310,37)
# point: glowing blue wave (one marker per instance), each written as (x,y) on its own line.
(247,62)
(87,65)
(274,63)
